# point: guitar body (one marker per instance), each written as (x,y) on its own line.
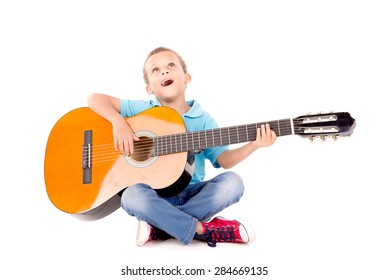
(82,178)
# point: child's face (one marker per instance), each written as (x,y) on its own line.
(167,79)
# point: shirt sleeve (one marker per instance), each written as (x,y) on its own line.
(129,108)
(213,153)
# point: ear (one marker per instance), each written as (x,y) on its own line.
(149,90)
(188,78)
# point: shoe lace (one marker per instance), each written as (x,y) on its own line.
(219,234)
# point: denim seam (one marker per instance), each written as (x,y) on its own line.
(191,231)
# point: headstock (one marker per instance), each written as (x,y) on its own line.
(324,125)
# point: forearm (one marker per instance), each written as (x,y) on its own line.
(232,157)
(106,106)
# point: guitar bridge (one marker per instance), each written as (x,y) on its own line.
(87,158)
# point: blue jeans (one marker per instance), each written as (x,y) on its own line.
(179,215)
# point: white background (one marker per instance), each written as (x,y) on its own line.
(320,210)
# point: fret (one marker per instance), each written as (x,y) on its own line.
(195,138)
(226,136)
(252,132)
(171,146)
(193,148)
(187,145)
(176,144)
(175,141)
(156,152)
(217,137)
(279,129)
(220,137)
(165,139)
(233,135)
(161,145)
(181,143)
(167,144)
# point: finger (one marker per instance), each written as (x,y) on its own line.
(131,145)
(268,133)
(115,143)
(133,138)
(274,137)
(263,133)
(121,145)
(127,147)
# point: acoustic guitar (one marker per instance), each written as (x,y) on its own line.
(84,173)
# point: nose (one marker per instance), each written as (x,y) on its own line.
(166,72)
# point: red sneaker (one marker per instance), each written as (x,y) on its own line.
(220,229)
(147,232)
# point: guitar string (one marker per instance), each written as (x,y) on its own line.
(168,142)
(223,133)
(109,154)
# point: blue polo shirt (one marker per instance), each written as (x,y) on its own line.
(195,119)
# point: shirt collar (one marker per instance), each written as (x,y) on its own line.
(194,111)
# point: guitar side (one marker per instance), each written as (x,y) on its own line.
(110,172)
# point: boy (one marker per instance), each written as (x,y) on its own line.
(185,214)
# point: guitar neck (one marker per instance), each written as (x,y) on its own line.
(199,140)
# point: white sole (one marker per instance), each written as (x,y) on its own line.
(143,233)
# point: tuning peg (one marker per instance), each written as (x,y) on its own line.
(335,137)
(323,138)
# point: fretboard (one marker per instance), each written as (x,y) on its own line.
(199,140)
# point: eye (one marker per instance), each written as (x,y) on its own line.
(155,69)
(171,64)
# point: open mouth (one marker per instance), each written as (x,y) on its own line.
(167,82)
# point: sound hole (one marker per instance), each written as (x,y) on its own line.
(143,149)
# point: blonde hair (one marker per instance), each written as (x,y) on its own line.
(158,50)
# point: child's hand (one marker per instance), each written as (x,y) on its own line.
(123,137)
(265,136)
